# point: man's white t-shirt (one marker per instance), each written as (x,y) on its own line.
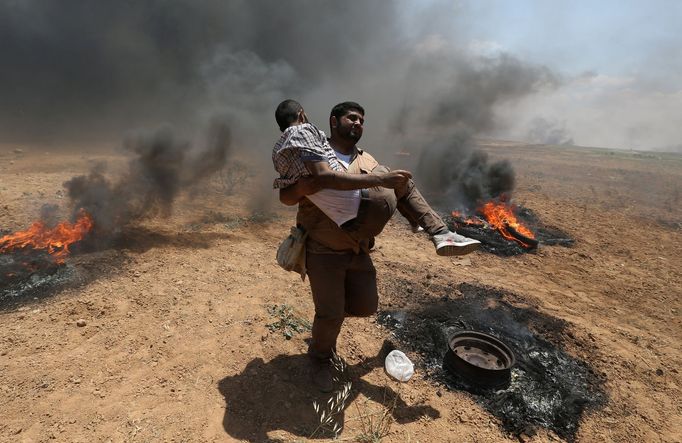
(340,206)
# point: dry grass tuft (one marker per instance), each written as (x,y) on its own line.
(329,413)
(376,424)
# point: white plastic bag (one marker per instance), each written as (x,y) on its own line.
(399,366)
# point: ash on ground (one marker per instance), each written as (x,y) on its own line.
(492,241)
(549,388)
(30,276)
(24,276)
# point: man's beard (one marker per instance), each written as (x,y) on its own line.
(352,135)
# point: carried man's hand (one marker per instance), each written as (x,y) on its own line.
(308,185)
(293,194)
(395,179)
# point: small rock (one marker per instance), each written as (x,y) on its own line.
(461,261)
(527,434)
(439,393)
(659,372)
(80,323)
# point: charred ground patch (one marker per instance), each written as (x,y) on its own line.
(30,274)
(549,388)
(25,279)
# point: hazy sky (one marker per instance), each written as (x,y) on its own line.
(621,62)
(611,37)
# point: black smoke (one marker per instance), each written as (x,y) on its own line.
(463,178)
(163,165)
(78,72)
(451,167)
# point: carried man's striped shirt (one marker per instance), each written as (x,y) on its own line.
(297,145)
(302,143)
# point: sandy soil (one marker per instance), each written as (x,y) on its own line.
(177,347)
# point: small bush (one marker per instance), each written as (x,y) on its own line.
(288,323)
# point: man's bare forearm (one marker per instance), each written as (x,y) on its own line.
(327,178)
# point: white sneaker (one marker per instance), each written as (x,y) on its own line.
(451,243)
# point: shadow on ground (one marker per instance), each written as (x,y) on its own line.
(278,395)
(140,239)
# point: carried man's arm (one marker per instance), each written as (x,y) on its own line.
(293,194)
(323,177)
(330,179)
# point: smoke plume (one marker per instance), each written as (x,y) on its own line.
(163,165)
(546,132)
(450,165)
(76,73)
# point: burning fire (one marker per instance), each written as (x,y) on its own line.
(501,216)
(467,220)
(55,241)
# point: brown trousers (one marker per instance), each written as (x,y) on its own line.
(344,284)
(413,206)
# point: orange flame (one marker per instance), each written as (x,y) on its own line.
(500,215)
(55,241)
(466,220)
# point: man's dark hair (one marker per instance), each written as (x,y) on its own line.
(344,108)
(287,113)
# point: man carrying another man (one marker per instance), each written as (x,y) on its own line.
(342,276)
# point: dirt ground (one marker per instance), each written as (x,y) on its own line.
(180,342)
